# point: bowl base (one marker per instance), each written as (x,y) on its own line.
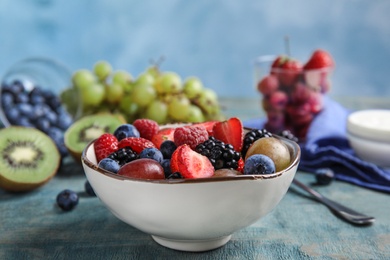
(192,245)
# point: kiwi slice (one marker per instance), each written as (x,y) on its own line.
(87,129)
(29,158)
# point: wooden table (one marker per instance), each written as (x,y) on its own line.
(32,227)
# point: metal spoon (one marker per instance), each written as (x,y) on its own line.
(339,210)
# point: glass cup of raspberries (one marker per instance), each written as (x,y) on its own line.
(292,91)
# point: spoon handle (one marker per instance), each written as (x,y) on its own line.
(340,210)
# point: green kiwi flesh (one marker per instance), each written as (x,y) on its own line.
(87,129)
(28,158)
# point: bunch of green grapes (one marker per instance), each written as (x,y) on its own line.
(161,96)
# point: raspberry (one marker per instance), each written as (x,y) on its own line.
(146,127)
(105,145)
(192,136)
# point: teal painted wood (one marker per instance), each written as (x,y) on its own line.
(32,227)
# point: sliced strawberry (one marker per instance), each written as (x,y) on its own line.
(209,125)
(230,131)
(137,144)
(105,145)
(318,60)
(190,163)
(286,69)
(162,135)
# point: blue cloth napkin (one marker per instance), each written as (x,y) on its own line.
(327,146)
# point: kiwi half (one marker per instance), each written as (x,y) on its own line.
(28,158)
(87,129)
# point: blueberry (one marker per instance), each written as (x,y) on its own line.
(166,164)
(88,188)
(37,99)
(167,148)
(67,199)
(259,164)
(23,121)
(12,114)
(324,176)
(16,87)
(24,109)
(22,98)
(152,153)
(126,130)
(109,165)
(7,100)
(54,102)
(39,110)
(64,120)
(42,124)
(51,116)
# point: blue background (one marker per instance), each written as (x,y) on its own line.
(214,40)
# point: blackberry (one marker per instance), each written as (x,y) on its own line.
(251,136)
(124,155)
(289,135)
(221,155)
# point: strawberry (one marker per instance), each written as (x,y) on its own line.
(192,136)
(190,163)
(230,131)
(137,144)
(318,60)
(146,127)
(105,145)
(208,125)
(162,135)
(286,69)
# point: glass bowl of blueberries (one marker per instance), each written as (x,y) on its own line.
(32,95)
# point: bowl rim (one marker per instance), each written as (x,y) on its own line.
(291,145)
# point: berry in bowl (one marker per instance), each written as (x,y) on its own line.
(292,91)
(189,186)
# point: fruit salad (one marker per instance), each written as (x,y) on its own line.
(292,91)
(146,150)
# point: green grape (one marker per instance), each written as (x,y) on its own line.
(83,78)
(114,93)
(169,83)
(93,95)
(195,115)
(102,69)
(153,71)
(179,108)
(145,79)
(70,99)
(192,87)
(143,94)
(128,107)
(208,102)
(124,79)
(157,111)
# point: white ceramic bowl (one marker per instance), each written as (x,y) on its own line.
(368,132)
(190,214)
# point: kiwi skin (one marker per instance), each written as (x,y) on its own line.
(20,186)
